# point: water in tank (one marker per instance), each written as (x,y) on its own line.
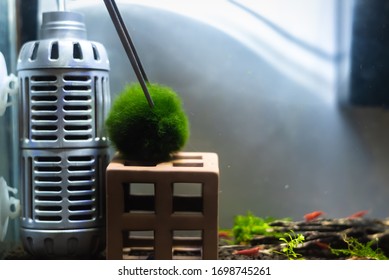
(269,87)
(291,95)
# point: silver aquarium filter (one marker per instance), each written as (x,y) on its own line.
(63,101)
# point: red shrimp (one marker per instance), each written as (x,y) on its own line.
(313,215)
(248,252)
(358,214)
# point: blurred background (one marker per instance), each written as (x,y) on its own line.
(292,95)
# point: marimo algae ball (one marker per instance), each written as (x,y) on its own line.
(142,133)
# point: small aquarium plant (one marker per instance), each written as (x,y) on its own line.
(142,133)
(291,241)
(358,250)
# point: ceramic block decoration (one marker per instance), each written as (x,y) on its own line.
(159,211)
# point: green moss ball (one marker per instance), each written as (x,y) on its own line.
(139,132)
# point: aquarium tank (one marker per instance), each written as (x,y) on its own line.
(292,95)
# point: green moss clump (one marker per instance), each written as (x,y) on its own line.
(142,133)
(247,226)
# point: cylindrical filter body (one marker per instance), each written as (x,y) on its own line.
(64,98)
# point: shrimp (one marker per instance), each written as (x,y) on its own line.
(248,252)
(358,214)
(313,215)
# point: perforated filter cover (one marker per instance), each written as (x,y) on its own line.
(63,44)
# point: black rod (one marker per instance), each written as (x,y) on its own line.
(129,47)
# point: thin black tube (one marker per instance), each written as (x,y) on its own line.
(129,47)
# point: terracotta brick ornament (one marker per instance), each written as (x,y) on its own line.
(164,211)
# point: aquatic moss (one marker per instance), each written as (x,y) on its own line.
(247,226)
(356,249)
(139,132)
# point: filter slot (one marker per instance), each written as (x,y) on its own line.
(80,178)
(34,53)
(96,54)
(74,98)
(28,182)
(48,189)
(45,108)
(54,52)
(48,198)
(44,78)
(51,179)
(71,118)
(77,108)
(80,188)
(80,217)
(76,88)
(44,118)
(97,103)
(44,88)
(79,168)
(80,159)
(48,159)
(76,78)
(77,137)
(45,128)
(76,198)
(48,218)
(75,208)
(49,169)
(82,128)
(26,108)
(48,208)
(77,51)
(44,98)
(44,138)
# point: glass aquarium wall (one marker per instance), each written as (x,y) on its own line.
(264,85)
(9,169)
